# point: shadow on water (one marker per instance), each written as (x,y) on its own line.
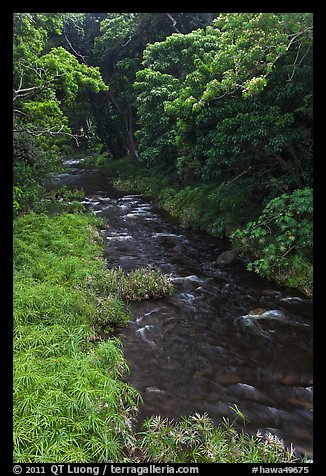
(225,337)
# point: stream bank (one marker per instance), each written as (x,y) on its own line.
(225,337)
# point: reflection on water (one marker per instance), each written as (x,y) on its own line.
(225,336)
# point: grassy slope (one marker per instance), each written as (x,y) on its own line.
(70,403)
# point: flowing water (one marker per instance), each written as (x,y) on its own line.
(225,337)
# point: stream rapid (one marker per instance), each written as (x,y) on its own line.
(225,337)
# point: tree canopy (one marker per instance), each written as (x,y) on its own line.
(234,97)
(46,80)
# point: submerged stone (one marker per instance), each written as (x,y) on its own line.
(227,257)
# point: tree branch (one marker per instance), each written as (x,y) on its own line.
(128,41)
(19,112)
(295,36)
(73,49)
(50,132)
(288,251)
(25,92)
(238,176)
(174,22)
(297,63)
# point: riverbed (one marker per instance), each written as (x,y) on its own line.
(225,337)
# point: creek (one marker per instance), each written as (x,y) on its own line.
(225,337)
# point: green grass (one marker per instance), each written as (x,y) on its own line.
(70,403)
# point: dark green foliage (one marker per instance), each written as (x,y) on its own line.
(231,98)
(126,175)
(279,244)
(31,164)
(211,208)
(207,207)
(118,49)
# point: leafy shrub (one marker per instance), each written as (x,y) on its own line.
(17,195)
(33,164)
(279,244)
(59,201)
(145,283)
(122,167)
(127,176)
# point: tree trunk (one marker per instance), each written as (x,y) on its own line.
(128,119)
(131,147)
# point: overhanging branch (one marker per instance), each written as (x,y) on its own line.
(51,131)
